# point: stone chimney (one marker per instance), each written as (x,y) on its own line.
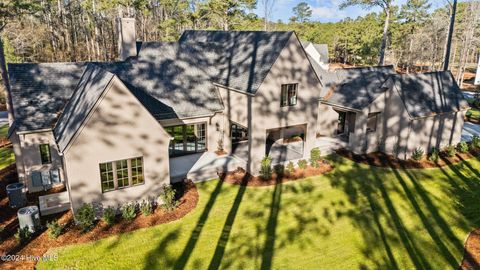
(127,40)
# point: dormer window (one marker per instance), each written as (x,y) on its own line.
(289,95)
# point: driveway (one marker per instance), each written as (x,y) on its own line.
(3,118)
(470,129)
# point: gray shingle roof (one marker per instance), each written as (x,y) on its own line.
(427,94)
(169,81)
(40,91)
(172,80)
(90,88)
(322,49)
(242,59)
(354,88)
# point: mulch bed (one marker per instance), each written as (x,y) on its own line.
(221,153)
(471,253)
(187,196)
(472,120)
(241,177)
(380,159)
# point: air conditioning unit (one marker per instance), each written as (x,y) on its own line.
(16,195)
(29,217)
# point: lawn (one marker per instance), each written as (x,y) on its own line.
(357,217)
(6,153)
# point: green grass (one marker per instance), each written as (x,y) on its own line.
(3,131)
(474,114)
(6,153)
(357,217)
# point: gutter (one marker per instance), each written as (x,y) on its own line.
(233,89)
(339,106)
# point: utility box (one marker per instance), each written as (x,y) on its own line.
(16,195)
(29,217)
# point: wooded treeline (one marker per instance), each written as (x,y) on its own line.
(85,30)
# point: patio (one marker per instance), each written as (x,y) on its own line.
(202,166)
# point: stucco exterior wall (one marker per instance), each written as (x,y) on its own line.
(327,120)
(27,156)
(292,66)
(262,112)
(118,128)
(438,131)
(398,134)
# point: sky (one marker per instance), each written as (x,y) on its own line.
(323,10)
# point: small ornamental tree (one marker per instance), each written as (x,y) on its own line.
(266,168)
(315,157)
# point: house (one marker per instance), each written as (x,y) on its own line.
(375,109)
(108,130)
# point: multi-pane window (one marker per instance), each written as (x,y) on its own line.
(372,122)
(137,171)
(289,94)
(45,155)
(106,176)
(187,139)
(239,133)
(121,173)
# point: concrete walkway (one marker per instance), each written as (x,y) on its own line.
(201,167)
(470,129)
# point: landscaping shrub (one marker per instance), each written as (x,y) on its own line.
(146,207)
(434,154)
(463,147)
(315,157)
(23,234)
(85,217)
(109,215)
(468,114)
(54,229)
(279,169)
(167,198)
(266,168)
(290,167)
(450,151)
(475,141)
(418,153)
(129,211)
(302,164)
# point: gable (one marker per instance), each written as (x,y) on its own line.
(241,59)
(116,113)
(87,93)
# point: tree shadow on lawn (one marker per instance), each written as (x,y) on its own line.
(392,210)
(385,195)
